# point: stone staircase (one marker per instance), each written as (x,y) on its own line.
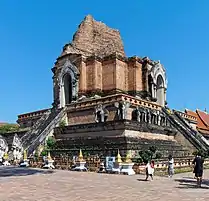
(189,133)
(43,127)
(195,133)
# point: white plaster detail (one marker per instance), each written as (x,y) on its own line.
(17,148)
(127,168)
(24,163)
(3,147)
(49,164)
(159,86)
(80,166)
(71,70)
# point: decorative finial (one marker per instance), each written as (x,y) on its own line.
(128,157)
(169,111)
(25,156)
(118,158)
(80,157)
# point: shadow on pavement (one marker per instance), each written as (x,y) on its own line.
(17,171)
(189,182)
(141,180)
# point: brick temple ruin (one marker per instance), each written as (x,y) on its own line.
(109,101)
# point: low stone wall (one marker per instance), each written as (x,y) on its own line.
(93,164)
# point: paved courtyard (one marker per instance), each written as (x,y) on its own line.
(58,185)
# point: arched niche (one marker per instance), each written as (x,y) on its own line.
(68,82)
(160,90)
(157,82)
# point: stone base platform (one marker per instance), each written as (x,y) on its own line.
(106,138)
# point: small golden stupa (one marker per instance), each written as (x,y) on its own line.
(80,157)
(5,156)
(169,111)
(128,157)
(118,157)
(40,149)
(49,156)
(25,155)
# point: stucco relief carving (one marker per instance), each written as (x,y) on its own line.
(150,116)
(122,108)
(155,69)
(68,68)
(101,114)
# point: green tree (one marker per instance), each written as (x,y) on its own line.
(50,143)
(9,128)
(62,123)
(44,153)
(147,155)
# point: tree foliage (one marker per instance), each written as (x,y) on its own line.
(9,128)
(148,155)
(50,143)
(62,124)
(44,153)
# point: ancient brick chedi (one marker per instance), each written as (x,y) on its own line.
(95,38)
(109,101)
(95,62)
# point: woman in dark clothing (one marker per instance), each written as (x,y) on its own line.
(198,169)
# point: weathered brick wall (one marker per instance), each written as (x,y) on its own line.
(98,75)
(147,135)
(93,37)
(88,116)
(81,117)
(182,140)
(108,75)
(90,75)
(138,76)
(120,73)
(131,76)
(98,53)
(83,76)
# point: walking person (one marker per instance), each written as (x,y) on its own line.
(170,166)
(149,170)
(198,169)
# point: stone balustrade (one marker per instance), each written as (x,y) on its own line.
(32,114)
(92,102)
(187,116)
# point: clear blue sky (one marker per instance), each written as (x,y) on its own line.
(32,34)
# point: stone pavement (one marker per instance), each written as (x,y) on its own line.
(41,185)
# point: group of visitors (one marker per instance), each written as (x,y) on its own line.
(197,164)
(150,166)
